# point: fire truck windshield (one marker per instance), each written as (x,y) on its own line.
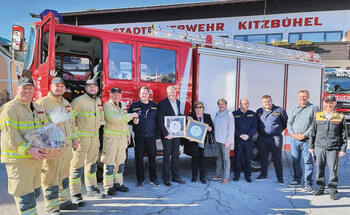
(336,83)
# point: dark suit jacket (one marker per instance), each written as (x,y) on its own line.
(192,147)
(165,109)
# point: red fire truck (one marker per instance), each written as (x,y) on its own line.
(337,82)
(201,67)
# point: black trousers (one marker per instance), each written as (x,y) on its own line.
(170,158)
(273,144)
(148,145)
(243,151)
(330,157)
(199,162)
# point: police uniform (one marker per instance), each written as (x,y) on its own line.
(55,172)
(328,137)
(270,127)
(88,118)
(146,133)
(115,142)
(23,171)
(245,123)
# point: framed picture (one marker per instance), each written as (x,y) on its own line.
(196,131)
(175,125)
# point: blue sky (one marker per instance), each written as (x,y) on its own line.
(17,11)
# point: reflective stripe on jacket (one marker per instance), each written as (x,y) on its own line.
(51,103)
(16,120)
(116,120)
(328,134)
(88,114)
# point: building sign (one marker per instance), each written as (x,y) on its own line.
(279,23)
(249,25)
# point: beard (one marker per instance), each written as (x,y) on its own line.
(91,95)
(56,94)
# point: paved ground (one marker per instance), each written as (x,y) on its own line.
(265,197)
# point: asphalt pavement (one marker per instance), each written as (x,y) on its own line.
(263,197)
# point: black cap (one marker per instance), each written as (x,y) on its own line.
(25,81)
(91,81)
(57,80)
(116,90)
(330,98)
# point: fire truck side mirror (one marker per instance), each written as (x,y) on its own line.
(18,38)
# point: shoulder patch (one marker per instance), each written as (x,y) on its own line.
(337,117)
(320,116)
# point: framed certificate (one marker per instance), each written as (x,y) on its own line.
(175,125)
(196,131)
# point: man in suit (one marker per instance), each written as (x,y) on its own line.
(169,107)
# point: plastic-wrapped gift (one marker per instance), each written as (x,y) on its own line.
(60,114)
(50,139)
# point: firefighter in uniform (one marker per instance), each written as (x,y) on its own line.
(116,138)
(272,120)
(88,111)
(146,134)
(23,162)
(328,142)
(55,172)
(245,128)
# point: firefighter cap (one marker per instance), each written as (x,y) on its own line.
(91,81)
(116,90)
(57,80)
(330,98)
(25,81)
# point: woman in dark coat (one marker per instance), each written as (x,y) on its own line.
(198,159)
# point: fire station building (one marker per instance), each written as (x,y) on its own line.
(321,26)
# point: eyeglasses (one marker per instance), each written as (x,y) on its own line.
(198,107)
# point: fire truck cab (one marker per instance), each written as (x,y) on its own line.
(113,59)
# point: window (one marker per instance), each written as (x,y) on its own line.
(242,38)
(273,38)
(120,61)
(256,38)
(158,65)
(30,50)
(293,37)
(314,37)
(331,36)
(77,66)
(337,82)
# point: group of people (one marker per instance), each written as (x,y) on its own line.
(322,134)
(318,137)
(31,170)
